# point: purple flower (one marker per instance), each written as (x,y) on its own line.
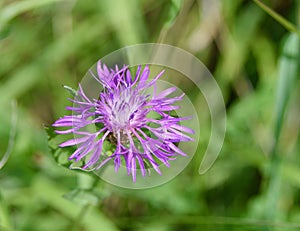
(139,128)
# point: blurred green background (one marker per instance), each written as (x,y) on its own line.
(254,184)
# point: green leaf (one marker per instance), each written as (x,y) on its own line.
(60,155)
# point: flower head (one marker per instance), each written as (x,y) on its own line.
(139,127)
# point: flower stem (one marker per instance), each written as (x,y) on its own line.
(75,225)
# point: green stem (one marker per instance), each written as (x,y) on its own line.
(75,225)
(285,23)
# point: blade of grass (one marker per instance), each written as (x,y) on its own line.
(285,23)
(12,135)
(288,73)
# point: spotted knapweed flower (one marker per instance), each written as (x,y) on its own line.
(140,128)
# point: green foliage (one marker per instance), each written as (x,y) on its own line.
(253,53)
(60,155)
